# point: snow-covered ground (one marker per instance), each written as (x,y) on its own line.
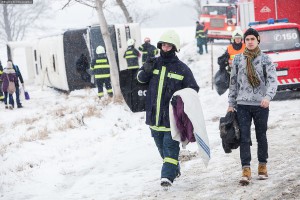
(74,146)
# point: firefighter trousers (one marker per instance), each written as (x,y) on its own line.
(104,82)
(169,151)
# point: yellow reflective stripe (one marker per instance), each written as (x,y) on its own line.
(159,92)
(131,56)
(101,66)
(200,31)
(133,67)
(170,160)
(102,75)
(145,52)
(109,91)
(1,97)
(160,128)
(1,72)
(156,71)
(155,51)
(175,76)
(129,52)
(104,60)
(100,94)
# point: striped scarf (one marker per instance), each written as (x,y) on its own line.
(251,74)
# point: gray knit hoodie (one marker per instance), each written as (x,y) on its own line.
(241,92)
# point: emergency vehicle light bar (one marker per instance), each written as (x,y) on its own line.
(269,21)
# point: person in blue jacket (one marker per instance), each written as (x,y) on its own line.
(165,75)
(20,77)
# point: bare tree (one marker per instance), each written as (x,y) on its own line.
(19,19)
(124,10)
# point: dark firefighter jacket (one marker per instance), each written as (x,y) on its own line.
(100,66)
(148,50)
(18,74)
(132,57)
(169,75)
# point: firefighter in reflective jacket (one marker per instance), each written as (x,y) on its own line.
(233,49)
(148,50)
(132,55)
(1,93)
(165,75)
(101,70)
(201,36)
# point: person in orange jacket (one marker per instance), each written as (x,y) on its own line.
(236,47)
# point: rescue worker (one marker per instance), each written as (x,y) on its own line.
(237,47)
(1,92)
(19,78)
(101,70)
(147,49)
(165,75)
(201,36)
(132,55)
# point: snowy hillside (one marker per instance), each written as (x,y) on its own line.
(74,146)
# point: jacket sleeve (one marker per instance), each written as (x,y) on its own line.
(233,86)
(189,80)
(223,59)
(271,78)
(19,74)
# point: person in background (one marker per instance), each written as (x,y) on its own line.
(82,65)
(148,50)
(165,75)
(132,55)
(1,92)
(20,78)
(253,85)
(8,74)
(233,49)
(201,36)
(101,70)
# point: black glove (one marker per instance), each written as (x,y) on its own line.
(149,65)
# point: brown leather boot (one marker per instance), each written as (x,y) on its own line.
(262,171)
(246,176)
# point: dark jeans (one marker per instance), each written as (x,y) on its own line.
(168,149)
(10,98)
(245,114)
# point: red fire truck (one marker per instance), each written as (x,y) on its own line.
(220,20)
(281,41)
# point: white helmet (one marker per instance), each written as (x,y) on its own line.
(237,34)
(100,50)
(171,37)
(130,42)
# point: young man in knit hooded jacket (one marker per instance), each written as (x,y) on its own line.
(253,85)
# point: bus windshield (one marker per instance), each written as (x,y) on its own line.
(279,40)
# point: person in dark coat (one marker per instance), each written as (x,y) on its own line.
(148,50)
(1,92)
(82,65)
(201,36)
(165,75)
(101,70)
(8,74)
(20,78)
